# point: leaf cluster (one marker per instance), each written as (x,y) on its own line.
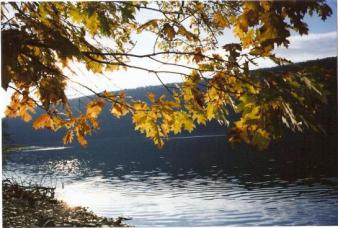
(40,40)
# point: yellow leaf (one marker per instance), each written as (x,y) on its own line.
(149,24)
(151,97)
(139,106)
(92,23)
(211,109)
(75,15)
(190,36)
(23,112)
(182,120)
(119,110)
(261,139)
(138,119)
(94,108)
(94,66)
(219,20)
(94,123)
(253,114)
(200,118)
(189,125)
(25,116)
(247,38)
(199,6)
(165,128)
(56,123)
(112,67)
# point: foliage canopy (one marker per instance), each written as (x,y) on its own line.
(40,39)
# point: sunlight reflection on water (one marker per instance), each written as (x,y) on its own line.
(38,148)
(202,201)
(159,192)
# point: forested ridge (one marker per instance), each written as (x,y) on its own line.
(113,127)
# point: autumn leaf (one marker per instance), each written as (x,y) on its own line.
(94,108)
(261,139)
(199,116)
(24,110)
(190,36)
(80,131)
(25,116)
(198,57)
(151,97)
(182,121)
(42,121)
(211,109)
(119,110)
(149,24)
(102,36)
(68,138)
(82,140)
(219,20)
(169,31)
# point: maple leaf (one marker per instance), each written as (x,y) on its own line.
(149,24)
(68,138)
(119,110)
(190,36)
(169,31)
(151,97)
(211,109)
(42,121)
(199,117)
(185,34)
(182,120)
(80,131)
(198,57)
(219,20)
(81,139)
(94,108)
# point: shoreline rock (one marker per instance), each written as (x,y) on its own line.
(27,206)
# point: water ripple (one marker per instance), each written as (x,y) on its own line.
(184,197)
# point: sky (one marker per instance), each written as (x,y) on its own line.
(321,42)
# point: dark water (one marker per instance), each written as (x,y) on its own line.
(191,182)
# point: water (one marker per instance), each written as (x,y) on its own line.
(192,182)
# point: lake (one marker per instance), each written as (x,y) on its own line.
(193,181)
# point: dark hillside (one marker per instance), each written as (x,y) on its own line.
(18,132)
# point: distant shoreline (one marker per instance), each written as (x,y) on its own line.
(197,136)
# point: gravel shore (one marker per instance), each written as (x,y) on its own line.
(28,206)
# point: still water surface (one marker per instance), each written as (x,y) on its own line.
(192,182)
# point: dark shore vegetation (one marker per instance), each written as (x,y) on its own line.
(29,206)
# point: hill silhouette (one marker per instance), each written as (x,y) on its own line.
(18,132)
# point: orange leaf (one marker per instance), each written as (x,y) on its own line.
(79,135)
(42,121)
(68,138)
(81,140)
(198,57)
(169,31)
